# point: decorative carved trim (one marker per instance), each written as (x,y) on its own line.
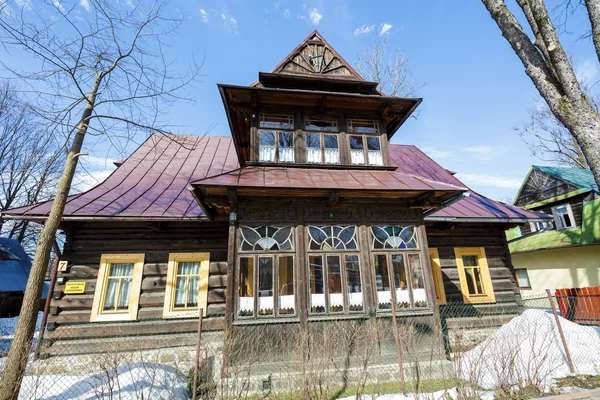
(267,214)
(392,214)
(330,214)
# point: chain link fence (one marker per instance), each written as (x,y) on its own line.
(462,348)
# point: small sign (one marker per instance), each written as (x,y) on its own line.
(62,266)
(75,288)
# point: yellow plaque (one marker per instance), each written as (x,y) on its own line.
(75,287)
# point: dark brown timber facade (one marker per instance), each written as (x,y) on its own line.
(307,214)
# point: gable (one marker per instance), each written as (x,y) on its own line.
(540,186)
(315,57)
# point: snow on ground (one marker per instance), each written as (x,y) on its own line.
(132,381)
(528,349)
(8,327)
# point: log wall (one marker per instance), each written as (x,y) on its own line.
(447,236)
(87,241)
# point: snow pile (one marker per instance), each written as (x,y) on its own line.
(528,351)
(7,331)
(132,381)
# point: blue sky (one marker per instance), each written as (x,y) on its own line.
(476,89)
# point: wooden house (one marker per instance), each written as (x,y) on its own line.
(563,252)
(306,213)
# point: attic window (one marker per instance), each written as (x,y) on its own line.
(363,126)
(276,121)
(321,124)
(563,216)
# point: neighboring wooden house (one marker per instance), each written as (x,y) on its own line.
(14,272)
(565,251)
(305,214)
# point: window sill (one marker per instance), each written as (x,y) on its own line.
(263,321)
(321,166)
(338,317)
(406,312)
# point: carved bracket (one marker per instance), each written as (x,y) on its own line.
(393,214)
(267,214)
(330,214)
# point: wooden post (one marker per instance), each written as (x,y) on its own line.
(396,334)
(197,358)
(560,331)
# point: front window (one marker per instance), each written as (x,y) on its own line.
(522,278)
(334,270)
(187,284)
(118,287)
(563,216)
(276,138)
(266,272)
(398,274)
(365,150)
(474,275)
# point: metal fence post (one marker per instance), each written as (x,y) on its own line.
(560,331)
(197,357)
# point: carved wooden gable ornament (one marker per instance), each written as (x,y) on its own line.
(314,56)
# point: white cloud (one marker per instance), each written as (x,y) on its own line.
(86,180)
(129,3)
(58,5)
(25,4)
(485,152)
(286,13)
(363,30)
(490,180)
(85,4)
(229,22)
(437,154)
(204,16)
(385,28)
(315,16)
(587,72)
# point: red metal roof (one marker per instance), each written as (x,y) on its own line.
(153,183)
(308,178)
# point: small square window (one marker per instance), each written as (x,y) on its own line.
(363,126)
(276,121)
(522,278)
(321,125)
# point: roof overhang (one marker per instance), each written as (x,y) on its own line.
(320,83)
(218,195)
(240,101)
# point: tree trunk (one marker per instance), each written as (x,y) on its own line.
(561,92)
(593,7)
(16,364)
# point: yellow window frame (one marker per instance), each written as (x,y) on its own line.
(438,279)
(169,310)
(488,295)
(130,314)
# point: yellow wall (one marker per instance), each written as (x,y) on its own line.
(561,268)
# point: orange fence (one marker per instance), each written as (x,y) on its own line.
(581,305)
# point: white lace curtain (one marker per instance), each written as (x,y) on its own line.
(313,155)
(357,156)
(188,275)
(375,157)
(267,153)
(119,284)
(286,154)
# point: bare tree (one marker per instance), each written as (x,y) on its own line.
(550,70)
(549,140)
(387,66)
(99,71)
(30,160)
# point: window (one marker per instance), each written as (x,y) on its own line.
(322,148)
(363,126)
(266,286)
(118,287)
(438,278)
(522,279)
(276,121)
(365,150)
(334,270)
(474,275)
(539,226)
(276,146)
(563,216)
(398,274)
(321,124)
(265,280)
(393,237)
(187,284)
